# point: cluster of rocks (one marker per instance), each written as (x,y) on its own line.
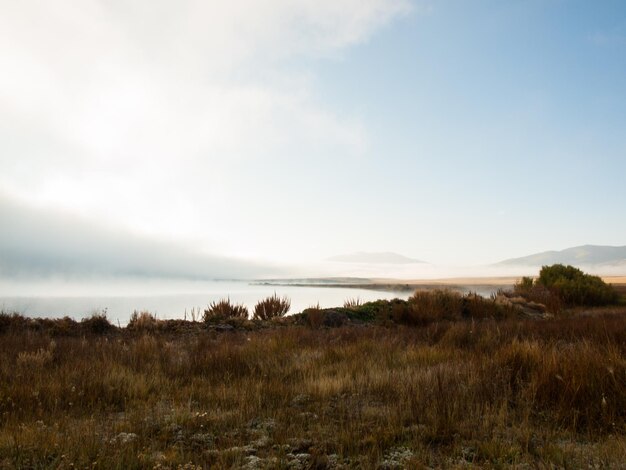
(525,307)
(396,458)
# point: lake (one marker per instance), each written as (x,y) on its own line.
(165,299)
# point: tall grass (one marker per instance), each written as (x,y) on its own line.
(479,392)
(272,307)
(225,310)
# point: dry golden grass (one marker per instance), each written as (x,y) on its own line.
(453,394)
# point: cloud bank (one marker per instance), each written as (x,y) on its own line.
(39,244)
(146,114)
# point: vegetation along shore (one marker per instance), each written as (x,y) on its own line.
(533,377)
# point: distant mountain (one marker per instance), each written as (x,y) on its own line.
(587,255)
(374,258)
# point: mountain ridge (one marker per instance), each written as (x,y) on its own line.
(365,257)
(588,255)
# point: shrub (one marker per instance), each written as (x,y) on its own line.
(315,316)
(432,305)
(65,326)
(225,310)
(272,307)
(97,323)
(435,305)
(143,321)
(352,303)
(575,288)
(477,307)
(11,321)
(378,310)
(524,285)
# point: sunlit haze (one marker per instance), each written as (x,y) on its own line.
(280,134)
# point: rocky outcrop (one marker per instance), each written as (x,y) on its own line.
(525,307)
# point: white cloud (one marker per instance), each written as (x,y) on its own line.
(140,113)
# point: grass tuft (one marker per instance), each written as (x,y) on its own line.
(225,310)
(272,307)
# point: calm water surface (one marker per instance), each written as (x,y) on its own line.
(172,301)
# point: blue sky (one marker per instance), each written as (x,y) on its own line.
(456,132)
(497,123)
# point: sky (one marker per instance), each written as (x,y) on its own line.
(286,132)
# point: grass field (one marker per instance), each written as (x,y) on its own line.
(494,394)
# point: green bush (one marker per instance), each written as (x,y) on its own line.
(575,288)
(526,284)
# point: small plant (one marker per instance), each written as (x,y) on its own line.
(524,285)
(225,310)
(315,316)
(433,305)
(143,321)
(195,314)
(352,302)
(98,323)
(11,320)
(272,307)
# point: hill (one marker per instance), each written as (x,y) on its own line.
(588,255)
(374,258)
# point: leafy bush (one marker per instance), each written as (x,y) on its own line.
(225,310)
(525,284)
(272,307)
(381,310)
(575,288)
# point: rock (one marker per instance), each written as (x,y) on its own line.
(300,400)
(222,327)
(396,458)
(503,300)
(537,306)
(201,440)
(247,450)
(308,416)
(262,442)
(252,463)
(300,445)
(262,425)
(298,461)
(124,438)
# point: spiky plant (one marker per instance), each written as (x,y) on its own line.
(272,307)
(225,310)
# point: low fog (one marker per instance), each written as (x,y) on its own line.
(38,243)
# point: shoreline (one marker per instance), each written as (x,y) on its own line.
(407,285)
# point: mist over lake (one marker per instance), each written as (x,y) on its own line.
(165,299)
